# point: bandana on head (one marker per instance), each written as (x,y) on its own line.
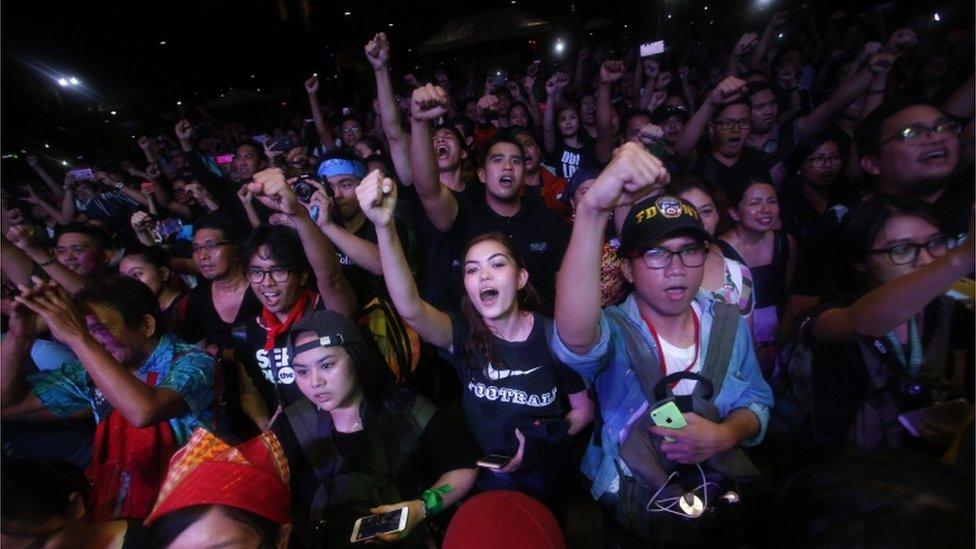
(341,166)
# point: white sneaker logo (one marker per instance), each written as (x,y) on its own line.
(495,375)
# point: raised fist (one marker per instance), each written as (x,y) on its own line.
(728,90)
(184,131)
(147,188)
(779,19)
(378,51)
(880,63)
(684,72)
(312,85)
(153,171)
(22,236)
(657,99)
(144,142)
(428,103)
(271,189)
(377,197)
(487,103)
(650,134)
(632,174)
(745,44)
(901,39)
(611,71)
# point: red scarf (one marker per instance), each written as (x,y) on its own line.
(275,328)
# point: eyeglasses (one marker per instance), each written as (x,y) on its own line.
(903,254)
(278,274)
(209,246)
(821,161)
(661,258)
(352,129)
(911,133)
(742,123)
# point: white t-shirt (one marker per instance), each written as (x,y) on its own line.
(678,358)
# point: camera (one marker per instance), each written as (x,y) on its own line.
(303,189)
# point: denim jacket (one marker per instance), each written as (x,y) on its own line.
(608,368)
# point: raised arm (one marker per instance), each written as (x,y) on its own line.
(960,103)
(430,103)
(22,236)
(362,252)
(17,401)
(727,90)
(759,52)
(893,303)
(633,173)
(553,91)
(146,146)
(745,44)
(35,164)
(272,190)
(325,133)
(611,71)
(378,55)
(377,198)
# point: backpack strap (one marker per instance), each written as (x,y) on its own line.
(721,339)
(643,360)
(304,421)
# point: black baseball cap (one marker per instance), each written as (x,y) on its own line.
(331,328)
(654,219)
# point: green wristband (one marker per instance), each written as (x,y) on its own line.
(433,499)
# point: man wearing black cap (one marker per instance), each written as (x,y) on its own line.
(663,250)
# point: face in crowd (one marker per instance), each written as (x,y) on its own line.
(352,132)
(344,190)
(277,286)
(920,164)
(448,151)
(634,125)
(213,254)
(156,278)
(127,344)
(247,162)
(325,374)
(504,171)
(492,279)
(668,291)
(568,123)
(729,130)
(705,204)
(588,110)
(764,111)
(900,236)
(822,166)
(518,116)
(80,253)
(533,155)
(758,211)
(672,127)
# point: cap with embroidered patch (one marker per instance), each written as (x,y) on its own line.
(331,328)
(654,219)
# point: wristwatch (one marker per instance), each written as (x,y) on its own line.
(118,186)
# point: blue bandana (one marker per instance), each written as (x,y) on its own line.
(341,166)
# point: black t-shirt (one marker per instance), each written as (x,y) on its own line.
(750,164)
(954,206)
(496,399)
(443,447)
(203,321)
(538,234)
(568,159)
(439,273)
(270,371)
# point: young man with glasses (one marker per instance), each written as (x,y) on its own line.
(278,263)
(911,149)
(723,159)
(663,244)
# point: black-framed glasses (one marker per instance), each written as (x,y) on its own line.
(661,258)
(914,131)
(821,161)
(903,254)
(742,123)
(209,246)
(278,274)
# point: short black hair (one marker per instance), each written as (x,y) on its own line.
(99,237)
(500,137)
(254,144)
(284,244)
(721,108)
(756,87)
(218,223)
(156,256)
(634,114)
(868,134)
(127,296)
(35,491)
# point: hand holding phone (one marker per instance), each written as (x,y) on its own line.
(494,461)
(668,415)
(648,49)
(371,526)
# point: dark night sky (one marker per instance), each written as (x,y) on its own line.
(114,47)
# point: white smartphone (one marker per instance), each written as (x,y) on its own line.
(374,525)
(648,49)
(494,461)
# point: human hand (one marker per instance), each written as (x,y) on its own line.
(144,143)
(487,103)
(428,103)
(323,202)
(142,222)
(528,82)
(270,151)
(562,81)
(153,171)
(683,73)
(880,63)
(312,85)
(657,99)
(411,80)
(779,19)
(746,43)
(32,196)
(378,51)
(611,71)
(663,81)
(514,90)
(728,90)
(516,461)
(633,173)
(270,188)
(244,195)
(698,441)
(23,237)
(198,193)
(377,197)
(533,69)
(650,134)
(184,131)
(51,302)
(147,188)
(415,515)
(69,182)
(584,54)
(22,322)
(901,39)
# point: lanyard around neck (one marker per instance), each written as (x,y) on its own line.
(913,362)
(660,349)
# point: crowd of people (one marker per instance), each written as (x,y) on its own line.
(726,289)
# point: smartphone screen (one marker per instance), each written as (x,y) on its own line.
(648,49)
(225,158)
(493,461)
(374,525)
(83,174)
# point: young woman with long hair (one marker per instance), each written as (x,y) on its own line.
(518,401)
